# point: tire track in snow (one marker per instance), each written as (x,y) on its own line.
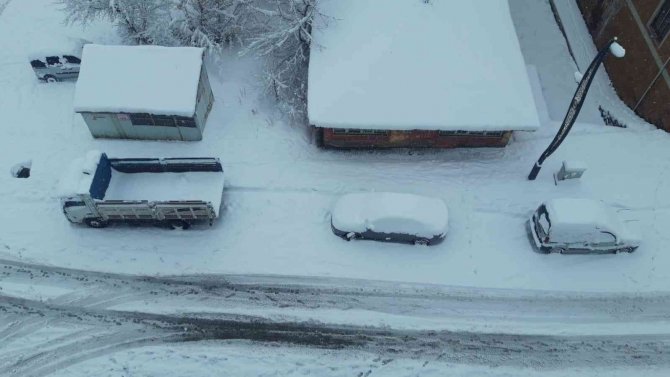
(136,329)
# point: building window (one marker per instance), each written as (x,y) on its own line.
(472,133)
(358,131)
(141,119)
(661,22)
(164,120)
(185,121)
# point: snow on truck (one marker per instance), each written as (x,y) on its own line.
(178,192)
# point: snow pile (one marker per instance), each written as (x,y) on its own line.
(79,175)
(387,212)
(405,64)
(139,79)
(162,187)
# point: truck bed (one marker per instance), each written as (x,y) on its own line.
(167,186)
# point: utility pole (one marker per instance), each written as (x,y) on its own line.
(577,101)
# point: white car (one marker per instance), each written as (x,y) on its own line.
(579,226)
(390,217)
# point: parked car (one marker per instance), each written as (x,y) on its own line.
(57,58)
(97,190)
(390,217)
(56,68)
(579,226)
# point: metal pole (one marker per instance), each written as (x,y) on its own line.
(574,109)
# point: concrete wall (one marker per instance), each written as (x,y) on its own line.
(410,139)
(636,77)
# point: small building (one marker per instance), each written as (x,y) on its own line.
(642,80)
(410,73)
(143,92)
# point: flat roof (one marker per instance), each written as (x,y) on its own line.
(406,64)
(138,79)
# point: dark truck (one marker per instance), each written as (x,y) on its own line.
(178,192)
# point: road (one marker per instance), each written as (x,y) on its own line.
(68,316)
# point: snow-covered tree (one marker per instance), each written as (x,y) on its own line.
(139,21)
(210,23)
(285,39)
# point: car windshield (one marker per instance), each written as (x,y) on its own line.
(542,223)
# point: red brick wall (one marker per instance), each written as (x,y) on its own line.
(411,139)
(633,74)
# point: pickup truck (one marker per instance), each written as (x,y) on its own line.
(178,192)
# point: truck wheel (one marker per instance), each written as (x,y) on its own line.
(50,79)
(179,224)
(96,223)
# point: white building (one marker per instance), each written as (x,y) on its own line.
(143,92)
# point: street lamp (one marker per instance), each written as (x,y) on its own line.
(577,102)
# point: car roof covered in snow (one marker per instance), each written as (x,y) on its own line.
(582,213)
(407,64)
(388,212)
(56,45)
(139,79)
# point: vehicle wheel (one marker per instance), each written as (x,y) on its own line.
(559,250)
(96,223)
(179,224)
(50,79)
(626,250)
(349,236)
(422,241)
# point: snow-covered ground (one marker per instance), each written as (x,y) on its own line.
(280,187)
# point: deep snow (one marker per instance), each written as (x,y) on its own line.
(281,188)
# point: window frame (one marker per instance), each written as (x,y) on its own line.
(658,39)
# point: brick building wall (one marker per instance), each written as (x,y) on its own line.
(355,138)
(640,78)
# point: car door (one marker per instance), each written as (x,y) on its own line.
(70,67)
(604,242)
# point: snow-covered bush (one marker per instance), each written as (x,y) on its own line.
(210,23)
(285,39)
(139,21)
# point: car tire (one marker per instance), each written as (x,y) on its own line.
(626,250)
(50,79)
(96,223)
(422,242)
(179,224)
(558,250)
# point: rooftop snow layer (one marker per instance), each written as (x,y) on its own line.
(405,64)
(138,79)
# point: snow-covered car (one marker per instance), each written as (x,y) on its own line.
(57,58)
(390,217)
(583,226)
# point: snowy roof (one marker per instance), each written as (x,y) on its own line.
(138,79)
(406,64)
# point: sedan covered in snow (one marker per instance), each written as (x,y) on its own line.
(390,217)
(579,226)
